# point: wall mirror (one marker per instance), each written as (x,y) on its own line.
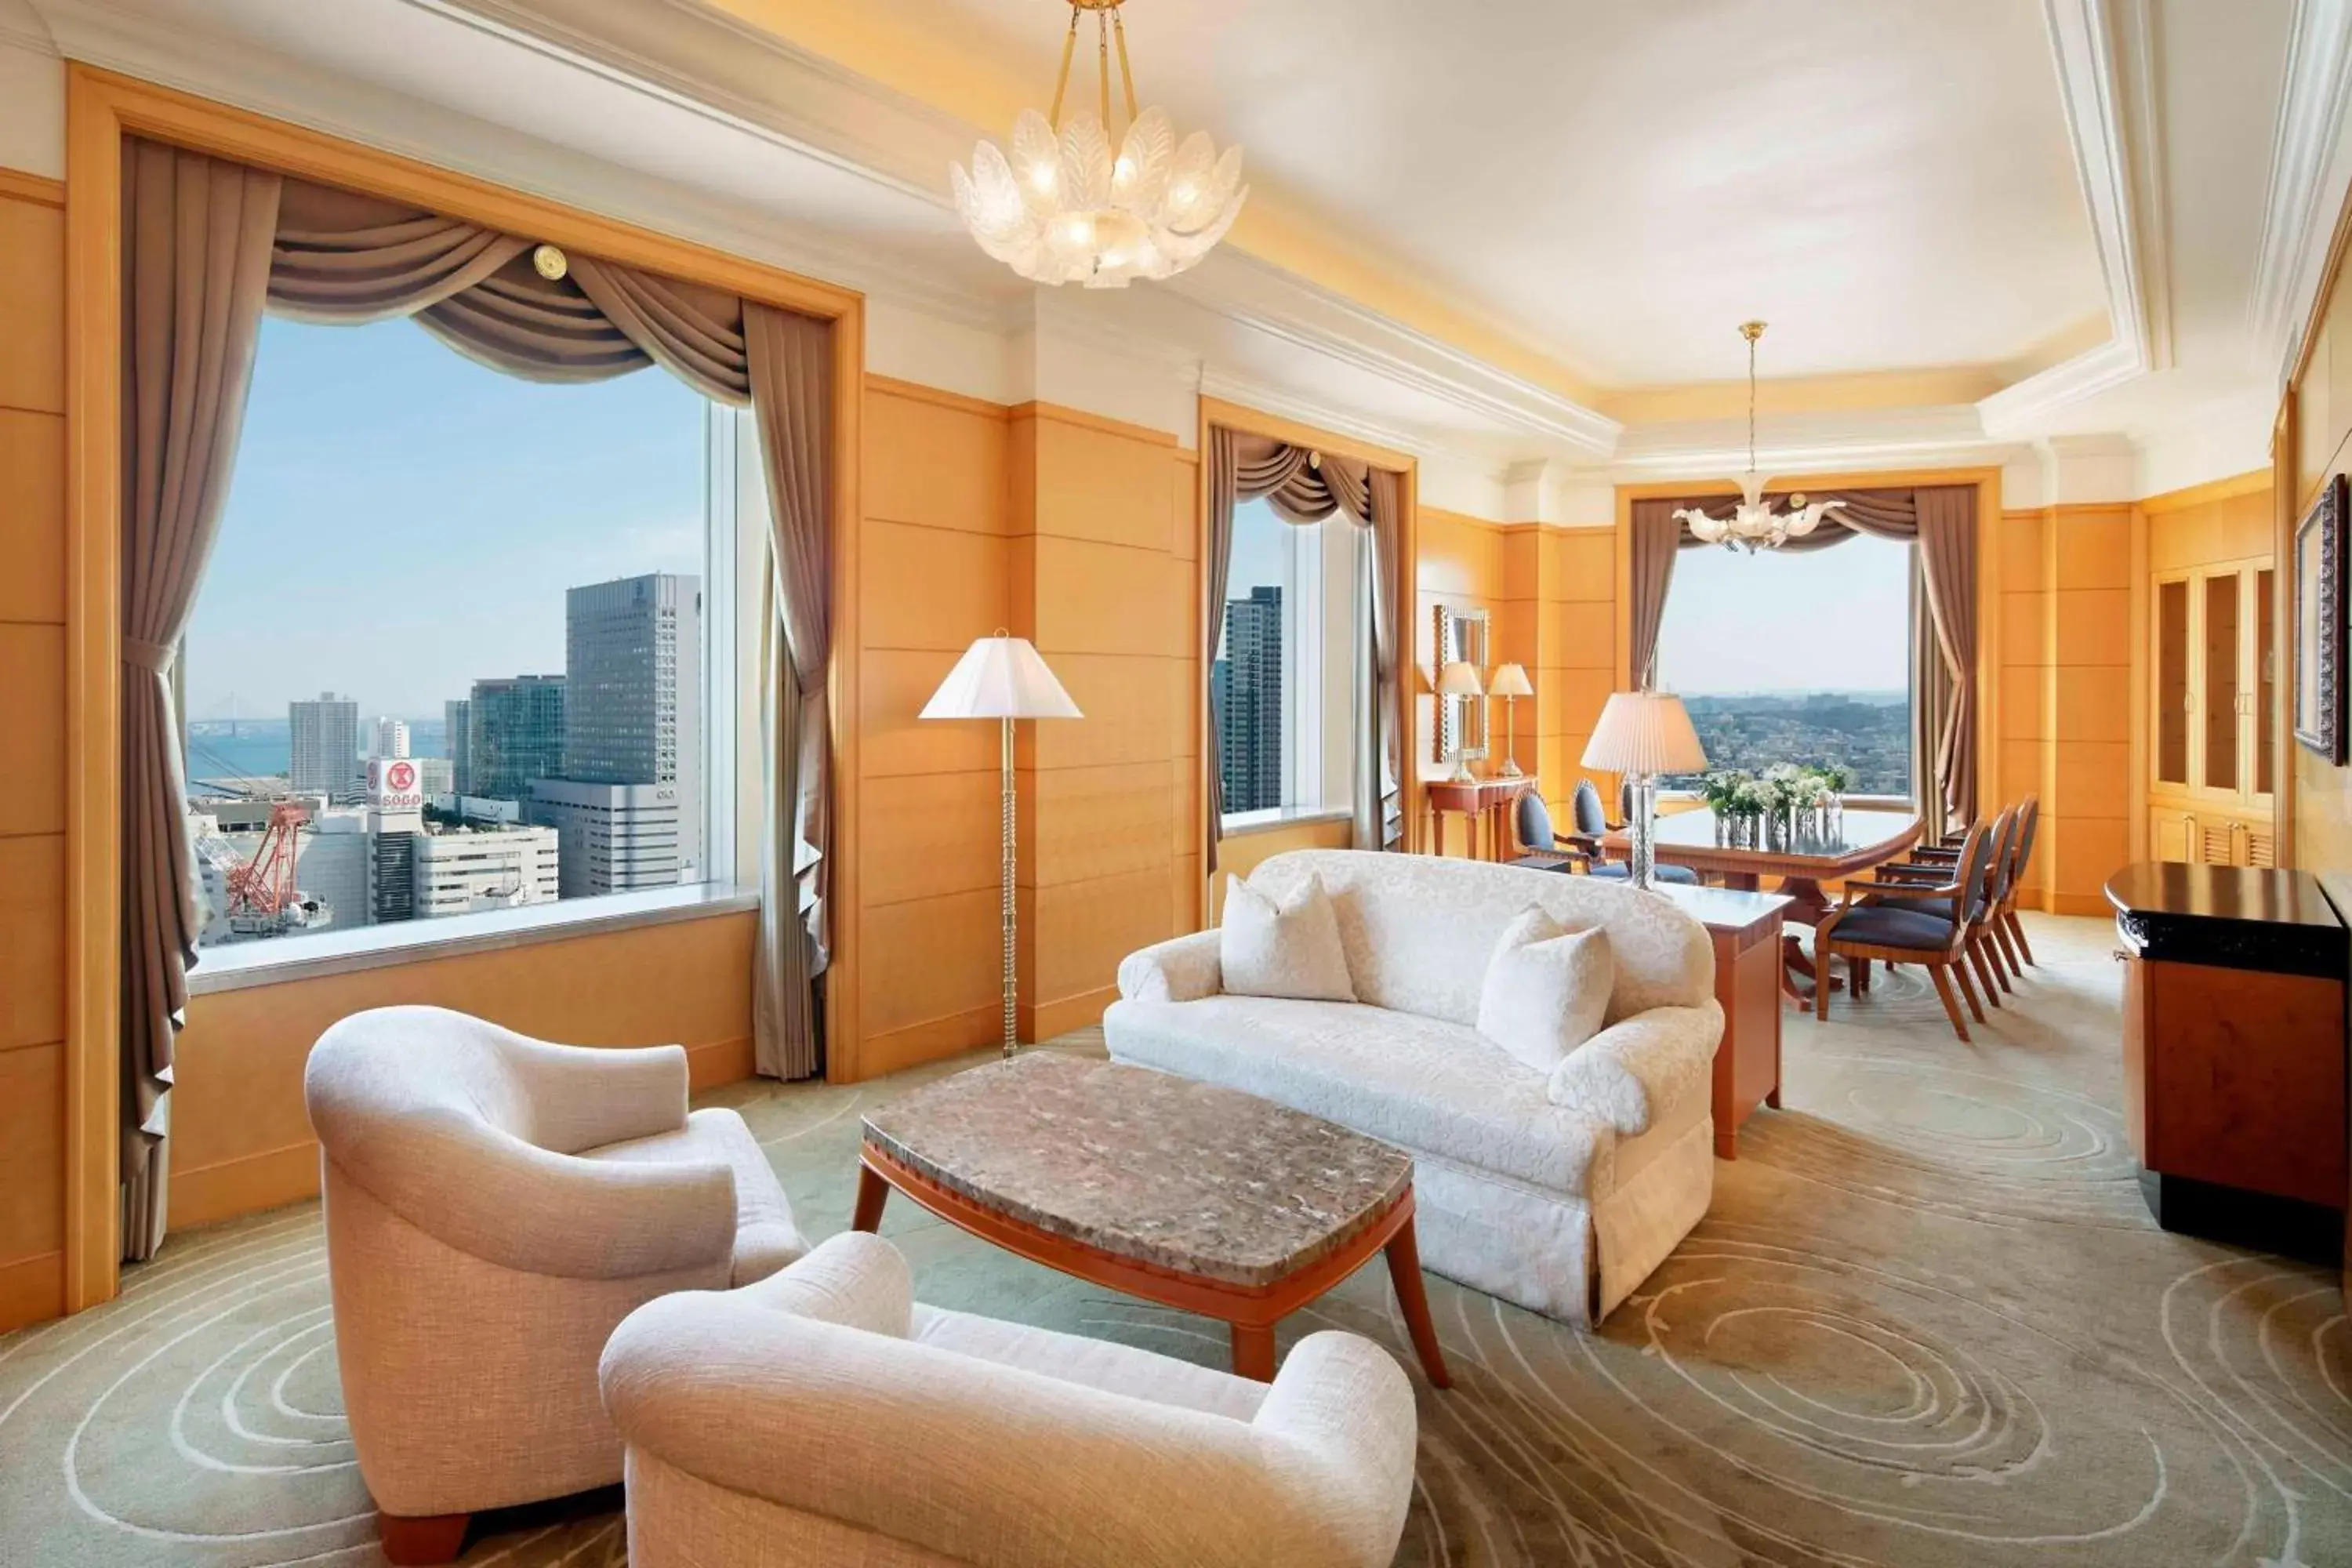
(1461,721)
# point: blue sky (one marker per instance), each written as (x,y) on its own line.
(403,520)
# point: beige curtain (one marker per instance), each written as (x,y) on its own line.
(1650,556)
(1948,561)
(196,266)
(791,360)
(1305,487)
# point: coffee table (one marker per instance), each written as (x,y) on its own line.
(1190,1194)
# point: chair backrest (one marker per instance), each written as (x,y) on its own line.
(1977,859)
(2001,858)
(1418,930)
(2029,817)
(1589,816)
(1534,820)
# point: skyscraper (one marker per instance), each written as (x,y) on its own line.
(1248,689)
(324,754)
(390,737)
(515,734)
(628,802)
(456,717)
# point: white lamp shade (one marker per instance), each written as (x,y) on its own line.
(1510,680)
(1001,678)
(1644,732)
(1459,679)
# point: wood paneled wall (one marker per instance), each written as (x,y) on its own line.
(1558,619)
(32,748)
(1461,566)
(240,1138)
(2316,424)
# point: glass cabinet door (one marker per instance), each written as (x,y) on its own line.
(2172,682)
(2265,662)
(2223,681)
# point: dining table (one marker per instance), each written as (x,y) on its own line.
(1850,843)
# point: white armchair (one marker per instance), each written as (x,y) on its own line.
(821,1417)
(494,1205)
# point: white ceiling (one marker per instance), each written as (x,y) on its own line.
(1891,185)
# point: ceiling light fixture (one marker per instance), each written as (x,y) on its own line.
(1062,209)
(1753,524)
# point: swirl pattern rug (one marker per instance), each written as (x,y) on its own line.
(1927,1322)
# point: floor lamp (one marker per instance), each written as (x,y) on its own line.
(1003,678)
(1641,735)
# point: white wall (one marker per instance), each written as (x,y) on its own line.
(32,95)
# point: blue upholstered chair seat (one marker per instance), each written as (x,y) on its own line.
(1881,925)
(1940,909)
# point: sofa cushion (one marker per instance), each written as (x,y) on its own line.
(1418,930)
(1431,1087)
(1547,987)
(1285,946)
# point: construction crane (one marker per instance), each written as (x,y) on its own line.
(261,896)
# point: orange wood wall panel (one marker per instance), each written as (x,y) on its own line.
(241,1138)
(32,749)
(2320,812)
(2087,642)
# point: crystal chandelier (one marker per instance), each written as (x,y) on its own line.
(1062,209)
(1753,524)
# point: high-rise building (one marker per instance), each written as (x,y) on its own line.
(515,734)
(455,718)
(436,776)
(390,737)
(463,870)
(633,723)
(324,752)
(1248,695)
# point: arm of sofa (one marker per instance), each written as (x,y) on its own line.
(1628,1074)
(582,1097)
(1343,1404)
(1017,1469)
(1183,970)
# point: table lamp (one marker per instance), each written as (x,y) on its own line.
(1003,678)
(1641,735)
(1510,684)
(1459,679)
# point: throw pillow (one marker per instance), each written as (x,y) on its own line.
(1287,950)
(1547,989)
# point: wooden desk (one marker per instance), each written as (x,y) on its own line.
(1745,928)
(1488,803)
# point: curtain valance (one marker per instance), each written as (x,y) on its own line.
(206,245)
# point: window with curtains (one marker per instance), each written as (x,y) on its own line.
(465,642)
(1282,688)
(1796,657)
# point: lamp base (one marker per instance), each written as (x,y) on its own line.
(1640,828)
(1509,770)
(1461,773)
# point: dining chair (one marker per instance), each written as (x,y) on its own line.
(2006,931)
(1581,851)
(2029,818)
(1933,931)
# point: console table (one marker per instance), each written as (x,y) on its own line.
(1488,805)
(2233,1051)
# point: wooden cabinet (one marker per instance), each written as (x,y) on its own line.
(2214,695)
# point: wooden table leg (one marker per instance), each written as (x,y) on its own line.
(1254,1351)
(873,1191)
(1412,1299)
(1436,830)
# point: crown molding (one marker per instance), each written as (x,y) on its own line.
(1895,437)
(2308,176)
(2106,53)
(33,37)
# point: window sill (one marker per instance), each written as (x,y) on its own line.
(1241,823)
(239,965)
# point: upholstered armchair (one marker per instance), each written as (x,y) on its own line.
(494,1206)
(1580,850)
(820,1418)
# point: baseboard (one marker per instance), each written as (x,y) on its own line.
(248,1185)
(32,1291)
(720,1061)
(928,1042)
(1048,1019)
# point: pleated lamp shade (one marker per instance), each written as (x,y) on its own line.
(1459,679)
(1001,678)
(1510,680)
(1644,732)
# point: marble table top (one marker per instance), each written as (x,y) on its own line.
(1144,1166)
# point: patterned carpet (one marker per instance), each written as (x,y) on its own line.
(1928,1322)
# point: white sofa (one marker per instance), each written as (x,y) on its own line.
(820,1418)
(1558,1193)
(494,1205)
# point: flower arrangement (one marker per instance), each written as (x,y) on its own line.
(1740,799)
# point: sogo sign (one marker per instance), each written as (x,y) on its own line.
(394,785)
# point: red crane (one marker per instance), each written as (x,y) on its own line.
(265,884)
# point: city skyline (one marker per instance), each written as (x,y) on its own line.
(340,551)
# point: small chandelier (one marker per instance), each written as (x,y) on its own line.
(1753,524)
(1063,210)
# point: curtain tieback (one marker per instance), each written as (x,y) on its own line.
(140,654)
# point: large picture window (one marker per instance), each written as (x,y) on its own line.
(1282,690)
(457,645)
(1796,656)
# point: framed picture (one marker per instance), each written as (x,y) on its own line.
(2319,611)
